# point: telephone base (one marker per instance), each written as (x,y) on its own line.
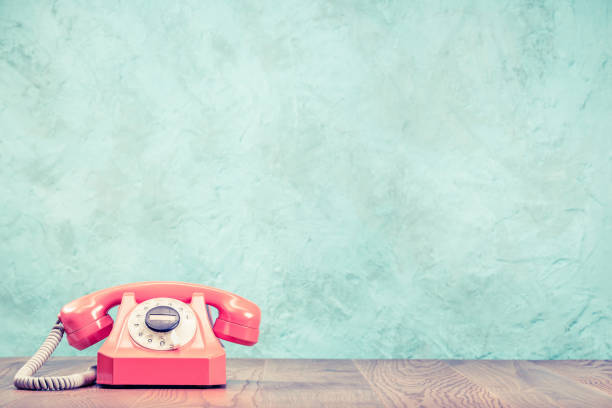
(191,371)
(123,361)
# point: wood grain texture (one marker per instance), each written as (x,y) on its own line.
(340,383)
(424,383)
(316,383)
(594,373)
(526,384)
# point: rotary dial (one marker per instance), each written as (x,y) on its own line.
(162,324)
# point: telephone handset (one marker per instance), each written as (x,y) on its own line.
(162,336)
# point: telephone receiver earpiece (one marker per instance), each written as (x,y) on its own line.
(86,320)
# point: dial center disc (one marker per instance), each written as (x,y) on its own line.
(162,318)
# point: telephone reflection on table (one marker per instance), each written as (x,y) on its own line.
(163,336)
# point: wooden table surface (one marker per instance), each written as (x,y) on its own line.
(368,383)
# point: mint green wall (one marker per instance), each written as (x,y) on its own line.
(385,179)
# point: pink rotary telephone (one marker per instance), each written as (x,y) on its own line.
(163,336)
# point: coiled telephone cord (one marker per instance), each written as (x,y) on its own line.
(25,379)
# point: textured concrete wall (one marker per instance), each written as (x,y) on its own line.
(385,179)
